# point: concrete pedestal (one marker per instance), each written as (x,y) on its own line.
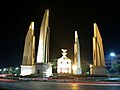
(27,70)
(79,71)
(43,69)
(98,70)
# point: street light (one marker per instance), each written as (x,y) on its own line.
(112,54)
(5,69)
(113,61)
(16,68)
(16,71)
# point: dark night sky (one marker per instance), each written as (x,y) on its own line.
(65,18)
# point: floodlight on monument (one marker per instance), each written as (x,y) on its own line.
(0,70)
(74,67)
(112,54)
(91,65)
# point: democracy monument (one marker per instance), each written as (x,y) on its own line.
(43,67)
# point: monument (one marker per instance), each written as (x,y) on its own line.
(43,66)
(77,63)
(28,67)
(64,63)
(98,67)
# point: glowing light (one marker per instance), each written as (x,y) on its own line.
(74,86)
(4,69)
(76,36)
(91,65)
(16,68)
(112,54)
(74,67)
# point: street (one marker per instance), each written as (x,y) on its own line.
(36,85)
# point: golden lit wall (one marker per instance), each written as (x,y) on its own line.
(98,51)
(29,47)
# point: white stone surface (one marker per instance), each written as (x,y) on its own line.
(27,70)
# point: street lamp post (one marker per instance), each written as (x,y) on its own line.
(112,54)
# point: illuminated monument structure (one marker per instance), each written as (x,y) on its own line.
(43,67)
(77,62)
(64,63)
(28,66)
(98,67)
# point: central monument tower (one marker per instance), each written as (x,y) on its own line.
(77,63)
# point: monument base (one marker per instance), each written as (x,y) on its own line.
(43,69)
(98,70)
(79,71)
(27,70)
